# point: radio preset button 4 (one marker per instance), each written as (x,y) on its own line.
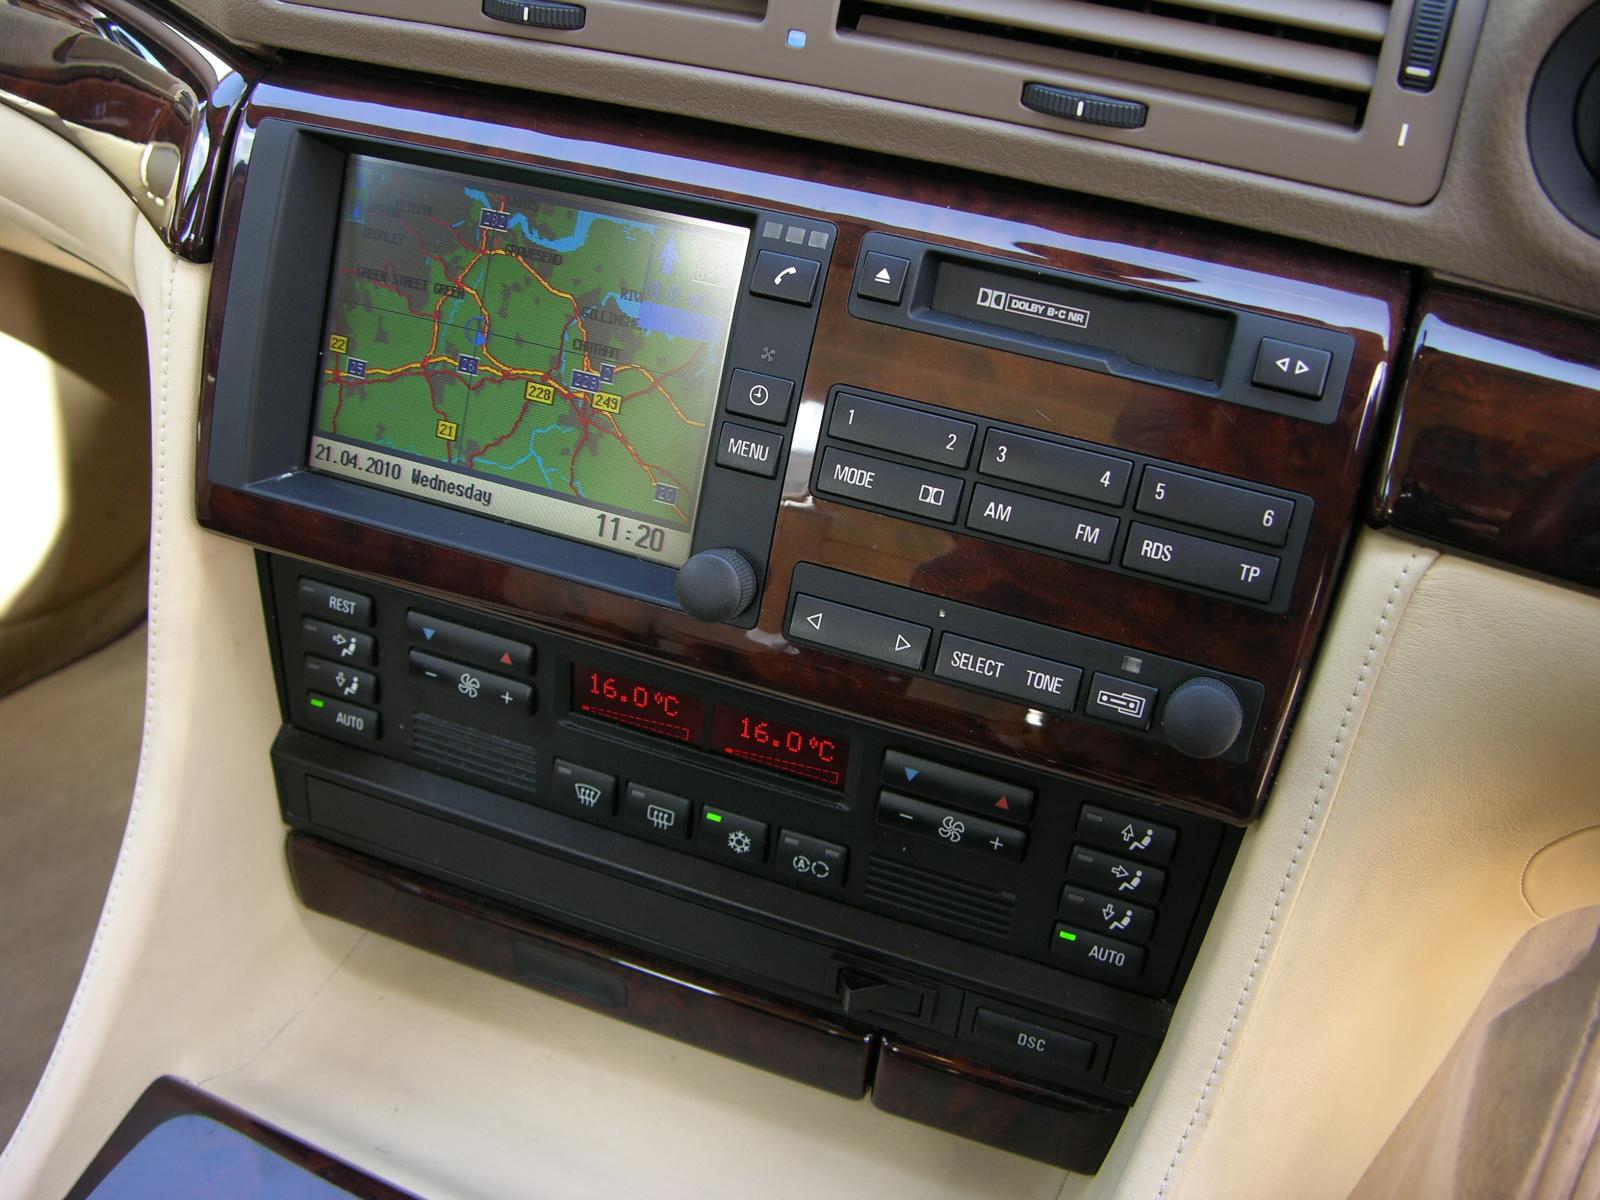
(1056,468)
(908,431)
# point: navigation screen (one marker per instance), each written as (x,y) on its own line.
(546,359)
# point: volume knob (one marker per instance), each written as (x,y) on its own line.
(716,585)
(1203,717)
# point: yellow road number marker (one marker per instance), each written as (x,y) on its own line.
(447,430)
(540,393)
(338,343)
(607,402)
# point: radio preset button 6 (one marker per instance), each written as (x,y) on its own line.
(1211,505)
(1056,468)
(764,397)
(890,485)
(955,829)
(908,431)
(857,631)
(1121,701)
(1200,562)
(785,277)
(1059,527)
(1025,677)
(754,451)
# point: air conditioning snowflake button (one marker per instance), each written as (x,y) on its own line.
(731,836)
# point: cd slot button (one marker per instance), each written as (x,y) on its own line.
(1221,507)
(469,645)
(1025,677)
(889,485)
(955,829)
(471,685)
(1043,523)
(907,431)
(1056,468)
(857,631)
(964,789)
(754,451)
(1201,563)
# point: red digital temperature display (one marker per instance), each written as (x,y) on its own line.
(778,746)
(646,707)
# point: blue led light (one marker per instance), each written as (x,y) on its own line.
(796,39)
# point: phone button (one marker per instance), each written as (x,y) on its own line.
(785,277)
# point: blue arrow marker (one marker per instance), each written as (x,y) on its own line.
(427,633)
(911,773)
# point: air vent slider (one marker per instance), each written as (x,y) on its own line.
(1084,106)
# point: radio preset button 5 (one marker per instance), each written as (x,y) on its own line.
(1025,677)
(908,431)
(1121,701)
(1200,562)
(857,631)
(1059,527)
(764,397)
(889,485)
(1211,505)
(754,451)
(1056,468)
(957,830)
(785,277)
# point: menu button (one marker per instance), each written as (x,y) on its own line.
(755,451)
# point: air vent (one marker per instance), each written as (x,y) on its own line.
(464,750)
(1308,58)
(940,900)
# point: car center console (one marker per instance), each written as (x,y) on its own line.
(880,593)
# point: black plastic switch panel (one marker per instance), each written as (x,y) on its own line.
(1118,877)
(1201,562)
(448,639)
(1132,837)
(810,860)
(764,397)
(785,277)
(857,631)
(583,789)
(341,680)
(338,643)
(319,599)
(1056,468)
(660,813)
(754,451)
(1106,914)
(1059,527)
(325,714)
(889,485)
(1031,1042)
(742,839)
(908,431)
(1221,507)
(955,829)
(1287,367)
(1097,954)
(965,789)
(1121,701)
(1026,677)
(882,277)
(471,685)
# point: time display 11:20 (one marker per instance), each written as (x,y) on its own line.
(732,732)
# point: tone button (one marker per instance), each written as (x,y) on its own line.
(1025,677)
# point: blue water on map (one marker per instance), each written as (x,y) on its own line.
(580,233)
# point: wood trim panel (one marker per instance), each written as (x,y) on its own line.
(1112,243)
(693,1008)
(1496,447)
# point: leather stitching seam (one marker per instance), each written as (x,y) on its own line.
(1339,742)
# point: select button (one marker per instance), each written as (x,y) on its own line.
(1025,677)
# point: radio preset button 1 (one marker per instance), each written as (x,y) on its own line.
(328,715)
(785,277)
(450,640)
(908,431)
(1121,701)
(337,643)
(472,685)
(318,599)
(754,451)
(1025,677)
(1044,523)
(965,789)
(889,485)
(1115,876)
(1036,1043)
(1105,914)
(340,680)
(1093,952)
(1130,836)
(732,836)
(1202,563)
(582,789)
(882,276)
(661,813)
(957,830)
(1222,507)
(857,631)
(810,860)
(1055,467)
(764,397)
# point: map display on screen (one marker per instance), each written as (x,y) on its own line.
(541,358)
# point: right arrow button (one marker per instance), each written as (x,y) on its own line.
(1287,367)
(857,631)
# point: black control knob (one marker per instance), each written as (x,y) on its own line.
(1203,717)
(716,585)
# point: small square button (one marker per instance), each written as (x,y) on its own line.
(1121,701)
(764,397)
(1287,367)
(785,277)
(882,277)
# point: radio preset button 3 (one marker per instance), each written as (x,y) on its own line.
(1056,468)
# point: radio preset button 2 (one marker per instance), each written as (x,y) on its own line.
(1056,468)
(1121,701)
(889,485)
(1200,562)
(908,431)
(857,631)
(764,397)
(1222,507)
(754,451)
(1044,523)
(1025,677)
(785,277)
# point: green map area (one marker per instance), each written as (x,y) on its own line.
(502,332)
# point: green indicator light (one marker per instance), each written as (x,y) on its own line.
(315,703)
(1066,935)
(713,816)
